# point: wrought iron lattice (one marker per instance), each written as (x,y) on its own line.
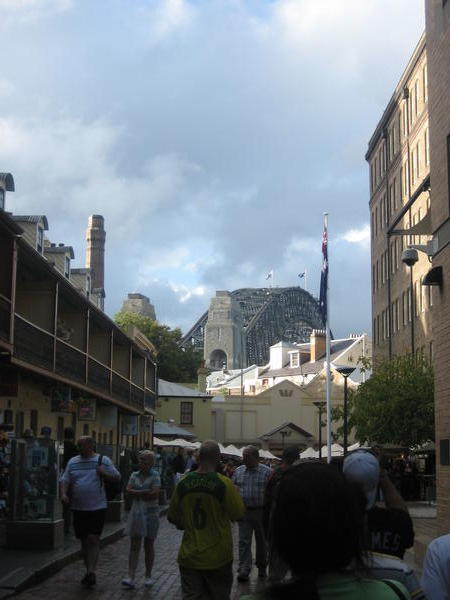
(270,315)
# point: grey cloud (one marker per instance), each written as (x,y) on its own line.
(227,131)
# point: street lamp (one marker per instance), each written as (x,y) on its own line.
(345,372)
(320,404)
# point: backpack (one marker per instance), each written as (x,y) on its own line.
(113,487)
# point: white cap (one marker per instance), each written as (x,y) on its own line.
(364,468)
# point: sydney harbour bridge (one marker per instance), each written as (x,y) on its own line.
(269,315)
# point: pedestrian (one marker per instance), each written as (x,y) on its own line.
(436,569)
(70,450)
(277,568)
(190,461)
(82,487)
(251,479)
(143,519)
(318,524)
(203,504)
(390,527)
(179,464)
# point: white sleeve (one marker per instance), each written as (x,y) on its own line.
(109,466)
(435,581)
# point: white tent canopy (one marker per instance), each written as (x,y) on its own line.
(232,451)
(309,453)
(336,450)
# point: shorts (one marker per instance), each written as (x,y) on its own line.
(88,522)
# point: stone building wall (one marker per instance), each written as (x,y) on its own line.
(438,42)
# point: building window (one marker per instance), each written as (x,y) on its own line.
(295,359)
(425,80)
(186,413)
(426,148)
(265,382)
(40,240)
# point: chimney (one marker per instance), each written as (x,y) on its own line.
(95,251)
(202,372)
(317,344)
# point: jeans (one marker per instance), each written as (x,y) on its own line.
(214,584)
(252,522)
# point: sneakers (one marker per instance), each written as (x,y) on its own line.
(89,580)
(128,583)
(149,581)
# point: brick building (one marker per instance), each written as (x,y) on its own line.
(399,161)
(438,49)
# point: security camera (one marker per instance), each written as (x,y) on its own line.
(410,256)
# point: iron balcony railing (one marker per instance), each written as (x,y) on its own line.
(42,349)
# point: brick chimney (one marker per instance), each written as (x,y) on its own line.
(95,251)
(317,344)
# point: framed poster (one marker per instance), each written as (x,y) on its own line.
(62,399)
(87,409)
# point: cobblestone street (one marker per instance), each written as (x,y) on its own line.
(112,568)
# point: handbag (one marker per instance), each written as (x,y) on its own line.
(113,487)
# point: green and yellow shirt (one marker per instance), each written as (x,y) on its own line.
(203,504)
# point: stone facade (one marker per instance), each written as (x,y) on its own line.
(399,161)
(224,337)
(140,305)
(438,44)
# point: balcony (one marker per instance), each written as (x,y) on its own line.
(32,344)
(5,314)
(37,347)
(70,360)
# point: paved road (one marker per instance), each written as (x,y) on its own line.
(65,585)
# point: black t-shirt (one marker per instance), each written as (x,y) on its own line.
(390,530)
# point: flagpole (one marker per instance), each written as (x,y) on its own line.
(328,352)
(306,286)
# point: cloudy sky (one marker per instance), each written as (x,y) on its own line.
(211,134)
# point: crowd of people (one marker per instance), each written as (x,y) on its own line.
(321,531)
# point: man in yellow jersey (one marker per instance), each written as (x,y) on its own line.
(204,504)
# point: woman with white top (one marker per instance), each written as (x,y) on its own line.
(143,520)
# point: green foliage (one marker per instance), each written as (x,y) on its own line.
(174,363)
(396,404)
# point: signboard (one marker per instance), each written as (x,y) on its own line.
(146,424)
(87,408)
(129,425)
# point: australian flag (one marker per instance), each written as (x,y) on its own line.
(324,276)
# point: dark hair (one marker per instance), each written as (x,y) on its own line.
(317,527)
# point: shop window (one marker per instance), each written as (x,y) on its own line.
(186,413)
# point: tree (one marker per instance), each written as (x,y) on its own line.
(174,363)
(396,405)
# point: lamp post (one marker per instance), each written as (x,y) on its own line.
(320,405)
(345,372)
(284,433)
